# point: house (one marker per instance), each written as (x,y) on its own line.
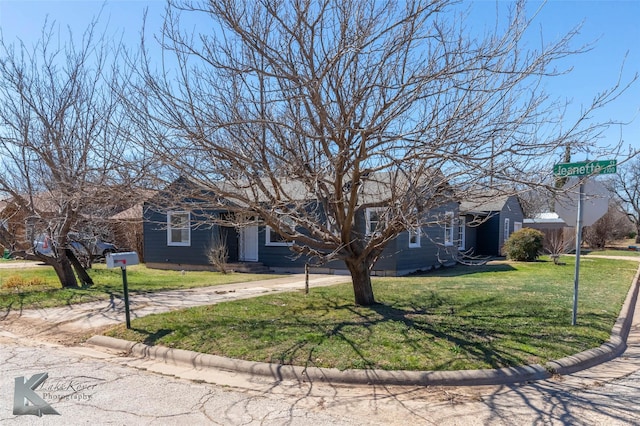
(487,221)
(558,236)
(178,234)
(23,221)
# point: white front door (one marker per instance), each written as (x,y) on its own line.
(249,244)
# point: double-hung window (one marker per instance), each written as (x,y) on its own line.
(449,229)
(179,229)
(506,229)
(375,220)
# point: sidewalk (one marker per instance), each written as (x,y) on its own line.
(94,316)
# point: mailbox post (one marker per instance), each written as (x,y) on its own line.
(122,260)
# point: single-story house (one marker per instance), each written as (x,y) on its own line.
(487,221)
(179,237)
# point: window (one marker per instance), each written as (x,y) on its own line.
(517,226)
(375,220)
(461,232)
(449,229)
(272,238)
(506,229)
(414,238)
(179,229)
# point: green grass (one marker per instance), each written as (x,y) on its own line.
(460,318)
(610,252)
(107,282)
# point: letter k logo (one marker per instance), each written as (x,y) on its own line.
(24,393)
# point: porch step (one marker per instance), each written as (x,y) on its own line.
(248,267)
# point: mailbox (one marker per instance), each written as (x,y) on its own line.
(122,260)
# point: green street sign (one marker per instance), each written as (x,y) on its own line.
(586,168)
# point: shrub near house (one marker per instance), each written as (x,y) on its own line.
(524,245)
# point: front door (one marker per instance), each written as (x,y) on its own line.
(249,244)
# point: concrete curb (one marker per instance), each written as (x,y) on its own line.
(583,360)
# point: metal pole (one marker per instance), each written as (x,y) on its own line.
(578,245)
(126,296)
(306,278)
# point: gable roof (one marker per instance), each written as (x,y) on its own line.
(485,200)
(373,188)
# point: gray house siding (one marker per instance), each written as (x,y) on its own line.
(512,211)
(487,238)
(158,251)
(470,234)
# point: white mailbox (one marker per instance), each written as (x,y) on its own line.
(122,260)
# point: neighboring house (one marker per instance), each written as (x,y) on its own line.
(178,238)
(558,236)
(22,227)
(488,221)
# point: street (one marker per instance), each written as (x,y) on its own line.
(88,386)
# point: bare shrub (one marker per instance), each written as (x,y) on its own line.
(218,253)
(558,242)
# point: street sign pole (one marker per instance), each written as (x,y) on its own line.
(582,170)
(576,279)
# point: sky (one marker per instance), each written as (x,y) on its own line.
(613,26)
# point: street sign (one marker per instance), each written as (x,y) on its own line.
(586,168)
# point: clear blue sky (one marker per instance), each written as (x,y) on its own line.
(613,25)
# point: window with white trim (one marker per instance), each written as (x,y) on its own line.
(178,228)
(462,222)
(273,238)
(506,229)
(375,220)
(449,228)
(414,237)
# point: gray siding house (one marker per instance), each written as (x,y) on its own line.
(487,222)
(178,238)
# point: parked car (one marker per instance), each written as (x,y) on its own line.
(81,245)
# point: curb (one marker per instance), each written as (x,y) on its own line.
(614,347)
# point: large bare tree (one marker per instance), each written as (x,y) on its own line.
(308,112)
(62,153)
(626,185)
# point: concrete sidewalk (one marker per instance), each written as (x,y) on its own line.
(94,316)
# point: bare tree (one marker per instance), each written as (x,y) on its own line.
(63,161)
(308,113)
(613,226)
(626,184)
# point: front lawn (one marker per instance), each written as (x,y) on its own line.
(489,316)
(24,288)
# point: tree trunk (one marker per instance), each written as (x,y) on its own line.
(64,270)
(80,270)
(638,236)
(361,281)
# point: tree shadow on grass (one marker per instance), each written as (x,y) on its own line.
(460,270)
(152,338)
